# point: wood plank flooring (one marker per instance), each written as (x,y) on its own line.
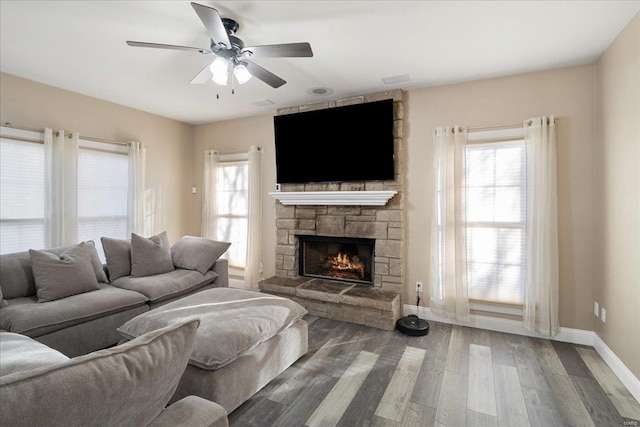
(456,376)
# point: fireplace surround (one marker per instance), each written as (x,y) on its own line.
(377,304)
(383,222)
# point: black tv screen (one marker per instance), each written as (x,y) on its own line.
(343,144)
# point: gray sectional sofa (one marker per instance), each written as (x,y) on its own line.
(88,321)
(142,290)
(40,386)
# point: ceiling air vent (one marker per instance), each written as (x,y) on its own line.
(262,102)
(402,78)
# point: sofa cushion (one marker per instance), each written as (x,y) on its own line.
(3,303)
(167,285)
(123,385)
(232,321)
(21,353)
(60,276)
(150,256)
(118,255)
(192,411)
(16,274)
(96,263)
(197,253)
(25,316)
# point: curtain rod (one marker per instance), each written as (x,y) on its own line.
(88,138)
(497,127)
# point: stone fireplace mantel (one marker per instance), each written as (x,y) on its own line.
(341,198)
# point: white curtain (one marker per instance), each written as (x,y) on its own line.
(449,293)
(541,282)
(61,182)
(135,205)
(252,268)
(209,200)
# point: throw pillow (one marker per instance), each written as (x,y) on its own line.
(61,276)
(3,303)
(118,255)
(150,256)
(125,385)
(96,263)
(197,253)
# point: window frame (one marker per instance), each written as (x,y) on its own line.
(489,137)
(229,160)
(28,137)
(104,147)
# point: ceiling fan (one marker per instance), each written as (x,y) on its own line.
(231,52)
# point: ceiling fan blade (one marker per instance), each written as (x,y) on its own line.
(168,46)
(202,77)
(287,50)
(212,22)
(266,76)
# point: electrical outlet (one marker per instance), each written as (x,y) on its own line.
(596,309)
(603,315)
(418,287)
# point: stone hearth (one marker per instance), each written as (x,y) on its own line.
(363,305)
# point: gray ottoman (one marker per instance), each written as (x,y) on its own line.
(245,340)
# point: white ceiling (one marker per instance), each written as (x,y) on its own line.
(80,46)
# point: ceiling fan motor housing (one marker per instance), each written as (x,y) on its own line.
(230,25)
(229,53)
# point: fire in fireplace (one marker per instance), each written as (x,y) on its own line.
(341,258)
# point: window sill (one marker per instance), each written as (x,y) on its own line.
(491,307)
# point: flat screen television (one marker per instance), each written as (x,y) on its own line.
(342,144)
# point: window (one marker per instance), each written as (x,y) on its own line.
(22,190)
(233,209)
(103,176)
(496,220)
(98,188)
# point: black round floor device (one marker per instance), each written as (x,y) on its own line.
(413,325)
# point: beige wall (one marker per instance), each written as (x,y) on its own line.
(567,94)
(234,136)
(170,149)
(617,287)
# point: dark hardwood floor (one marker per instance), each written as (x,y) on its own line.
(455,376)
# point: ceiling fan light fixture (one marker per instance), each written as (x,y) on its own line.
(220,71)
(242,74)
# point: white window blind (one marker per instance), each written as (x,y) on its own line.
(22,191)
(233,209)
(103,176)
(495,220)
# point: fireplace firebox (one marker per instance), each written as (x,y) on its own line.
(337,258)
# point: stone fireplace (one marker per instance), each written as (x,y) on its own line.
(382,225)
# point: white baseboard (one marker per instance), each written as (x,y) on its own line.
(573,336)
(629,380)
